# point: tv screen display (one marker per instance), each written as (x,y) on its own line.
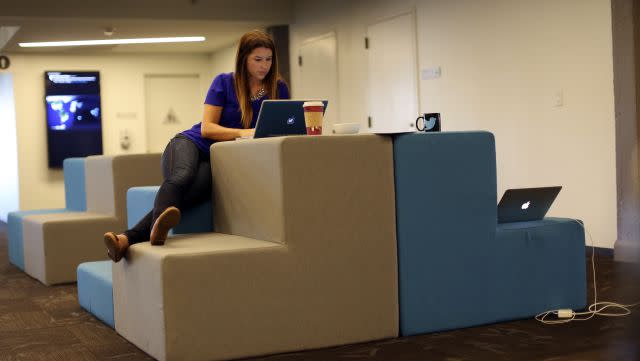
(74,115)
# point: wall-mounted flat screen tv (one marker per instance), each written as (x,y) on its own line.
(74,115)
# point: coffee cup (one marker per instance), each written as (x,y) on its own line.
(313,114)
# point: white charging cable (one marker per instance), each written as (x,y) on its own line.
(596,308)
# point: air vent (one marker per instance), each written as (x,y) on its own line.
(6,33)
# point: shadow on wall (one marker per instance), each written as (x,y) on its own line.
(626,60)
(55,176)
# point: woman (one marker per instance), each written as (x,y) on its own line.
(230,111)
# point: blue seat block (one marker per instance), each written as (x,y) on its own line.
(95,290)
(446,216)
(74,184)
(538,266)
(457,266)
(140,202)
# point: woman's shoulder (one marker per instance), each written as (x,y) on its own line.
(282,83)
(224,82)
(226,77)
(221,92)
(283,89)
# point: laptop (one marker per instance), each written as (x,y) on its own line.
(526,204)
(282,117)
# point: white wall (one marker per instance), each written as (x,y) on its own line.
(122,90)
(224,60)
(502,63)
(9,189)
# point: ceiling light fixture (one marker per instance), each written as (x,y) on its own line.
(113,41)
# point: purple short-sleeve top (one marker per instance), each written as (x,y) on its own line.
(222,93)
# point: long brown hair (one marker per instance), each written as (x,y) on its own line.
(249,41)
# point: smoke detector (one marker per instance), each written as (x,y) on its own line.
(109,31)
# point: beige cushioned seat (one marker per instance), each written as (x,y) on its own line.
(304,257)
(55,244)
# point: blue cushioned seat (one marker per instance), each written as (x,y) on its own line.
(457,266)
(75,198)
(546,267)
(195,220)
(95,292)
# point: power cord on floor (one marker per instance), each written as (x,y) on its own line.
(596,308)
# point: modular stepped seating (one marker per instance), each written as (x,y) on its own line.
(458,267)
(306,255)
(75,200)
(95,281)
(56,243)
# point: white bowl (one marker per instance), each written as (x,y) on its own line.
(346,128)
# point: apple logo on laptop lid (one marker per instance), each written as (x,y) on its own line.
(526,205)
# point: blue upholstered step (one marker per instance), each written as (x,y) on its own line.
(95,293)
(195,220)
(457,266)
(74,184)
(540,266)
(95,283)
(75,197)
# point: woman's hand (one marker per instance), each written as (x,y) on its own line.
(247,133)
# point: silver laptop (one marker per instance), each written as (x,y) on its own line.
(526,204)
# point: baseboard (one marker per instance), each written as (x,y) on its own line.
(627,251)
(600,252)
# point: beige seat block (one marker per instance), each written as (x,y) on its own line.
(172,301)
(312,262)
(56,243)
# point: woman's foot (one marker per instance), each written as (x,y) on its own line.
(166,220)
(116,245)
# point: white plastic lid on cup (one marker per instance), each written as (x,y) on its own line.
(313,104)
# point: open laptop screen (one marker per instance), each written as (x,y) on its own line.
(282,117)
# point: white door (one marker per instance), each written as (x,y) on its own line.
(393,79)
(319,75)
(173,103)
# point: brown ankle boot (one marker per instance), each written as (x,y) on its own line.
(116,245)
(166,220)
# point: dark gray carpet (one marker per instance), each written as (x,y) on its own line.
(46,323)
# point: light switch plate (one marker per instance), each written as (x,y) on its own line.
(431,73)
(558,98)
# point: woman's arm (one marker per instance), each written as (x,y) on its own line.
(211,128)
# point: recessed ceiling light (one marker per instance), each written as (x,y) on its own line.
(113,41)
(109,31)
